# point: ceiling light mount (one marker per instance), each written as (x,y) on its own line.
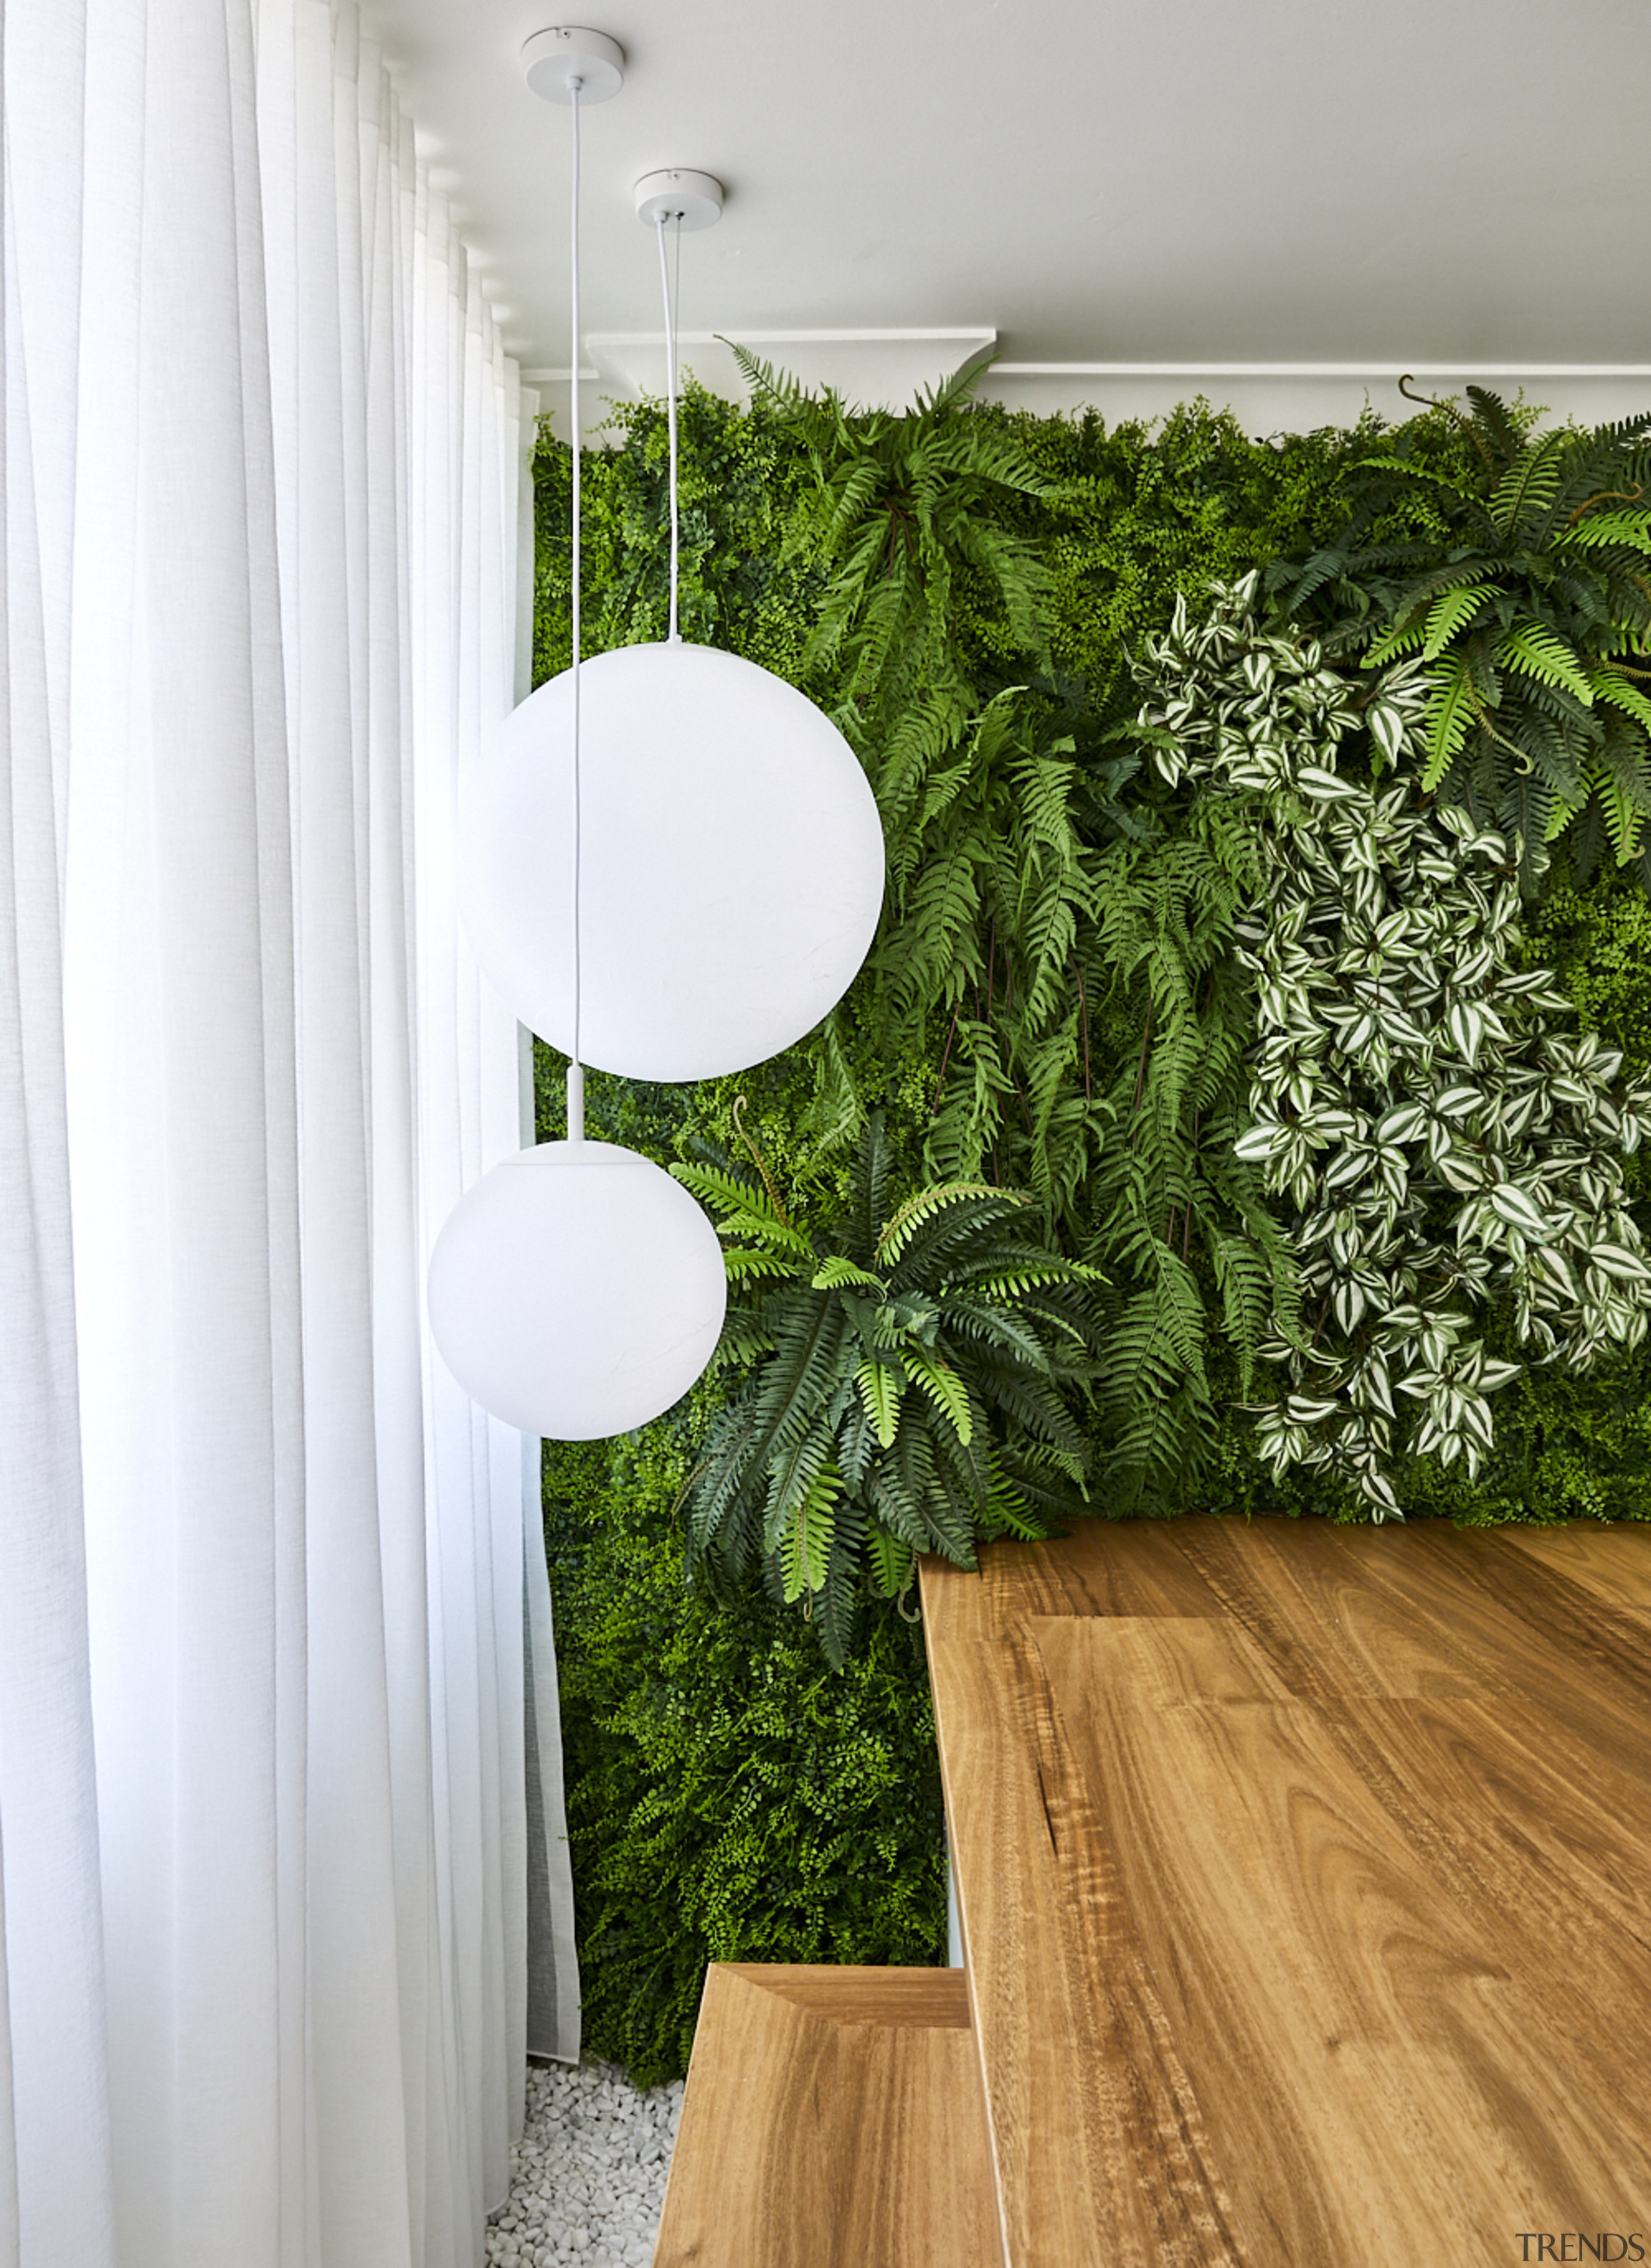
(553,61)
(679,198)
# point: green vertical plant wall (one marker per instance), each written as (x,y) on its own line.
(1056,1002)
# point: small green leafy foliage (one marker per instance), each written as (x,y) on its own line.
(1598,935)
(916,574)
(743,481)
(1569,1445)
(1135,512)
(904,1388)
(1530,624)
(1443,1140)
(729,1797)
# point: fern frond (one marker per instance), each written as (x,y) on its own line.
(745,1265)
(1630,529)
(1492,416)
(1536,652)
(1618,692)
(799,1529)
(744,1207)
(1452,706)
(1529,484)
(998,1328)
(925,1203)
(891,1560)
(1449,614)
(944,1388)
(881,1387)
(788,395)
(837,1272)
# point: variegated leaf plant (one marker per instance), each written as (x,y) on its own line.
(1441,1134)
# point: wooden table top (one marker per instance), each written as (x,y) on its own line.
(1305,1880)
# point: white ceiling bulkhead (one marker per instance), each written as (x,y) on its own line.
(1284,204)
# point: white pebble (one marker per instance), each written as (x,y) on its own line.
(587,2178)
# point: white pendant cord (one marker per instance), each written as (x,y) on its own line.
(673,634)
(576,1069)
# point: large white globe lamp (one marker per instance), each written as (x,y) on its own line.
(730,870)
(577,1290)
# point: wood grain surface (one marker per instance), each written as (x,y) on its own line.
(1304,1879)
(832,2118)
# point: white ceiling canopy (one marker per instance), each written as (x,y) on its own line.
(1190,194)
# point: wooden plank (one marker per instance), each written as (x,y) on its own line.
(920,1997)
(1079,2062)
(1410,1609)
(1314,1926)
(1611,1563)
(832,2118)
(1068,1576)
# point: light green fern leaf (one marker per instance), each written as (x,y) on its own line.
(1447,615)
(944,1388)
(881,1387)
(805,1545)
(924,1205)
(1536,652)
(1452,709)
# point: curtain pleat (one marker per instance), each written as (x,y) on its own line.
(553,2008)
(55,2201)
(265,1824)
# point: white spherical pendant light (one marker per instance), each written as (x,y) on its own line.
(577,1290)
(730,864)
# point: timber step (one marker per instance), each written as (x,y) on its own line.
(1303,1880)
(832,2118)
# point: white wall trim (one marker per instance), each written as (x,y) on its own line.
(1468,370)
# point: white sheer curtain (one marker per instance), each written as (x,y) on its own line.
(262,1824)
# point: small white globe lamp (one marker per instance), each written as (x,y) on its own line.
(730,866)
(577,1290)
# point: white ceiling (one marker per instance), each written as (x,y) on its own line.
(1379,184)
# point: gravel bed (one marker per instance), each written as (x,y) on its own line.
(587,2178)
